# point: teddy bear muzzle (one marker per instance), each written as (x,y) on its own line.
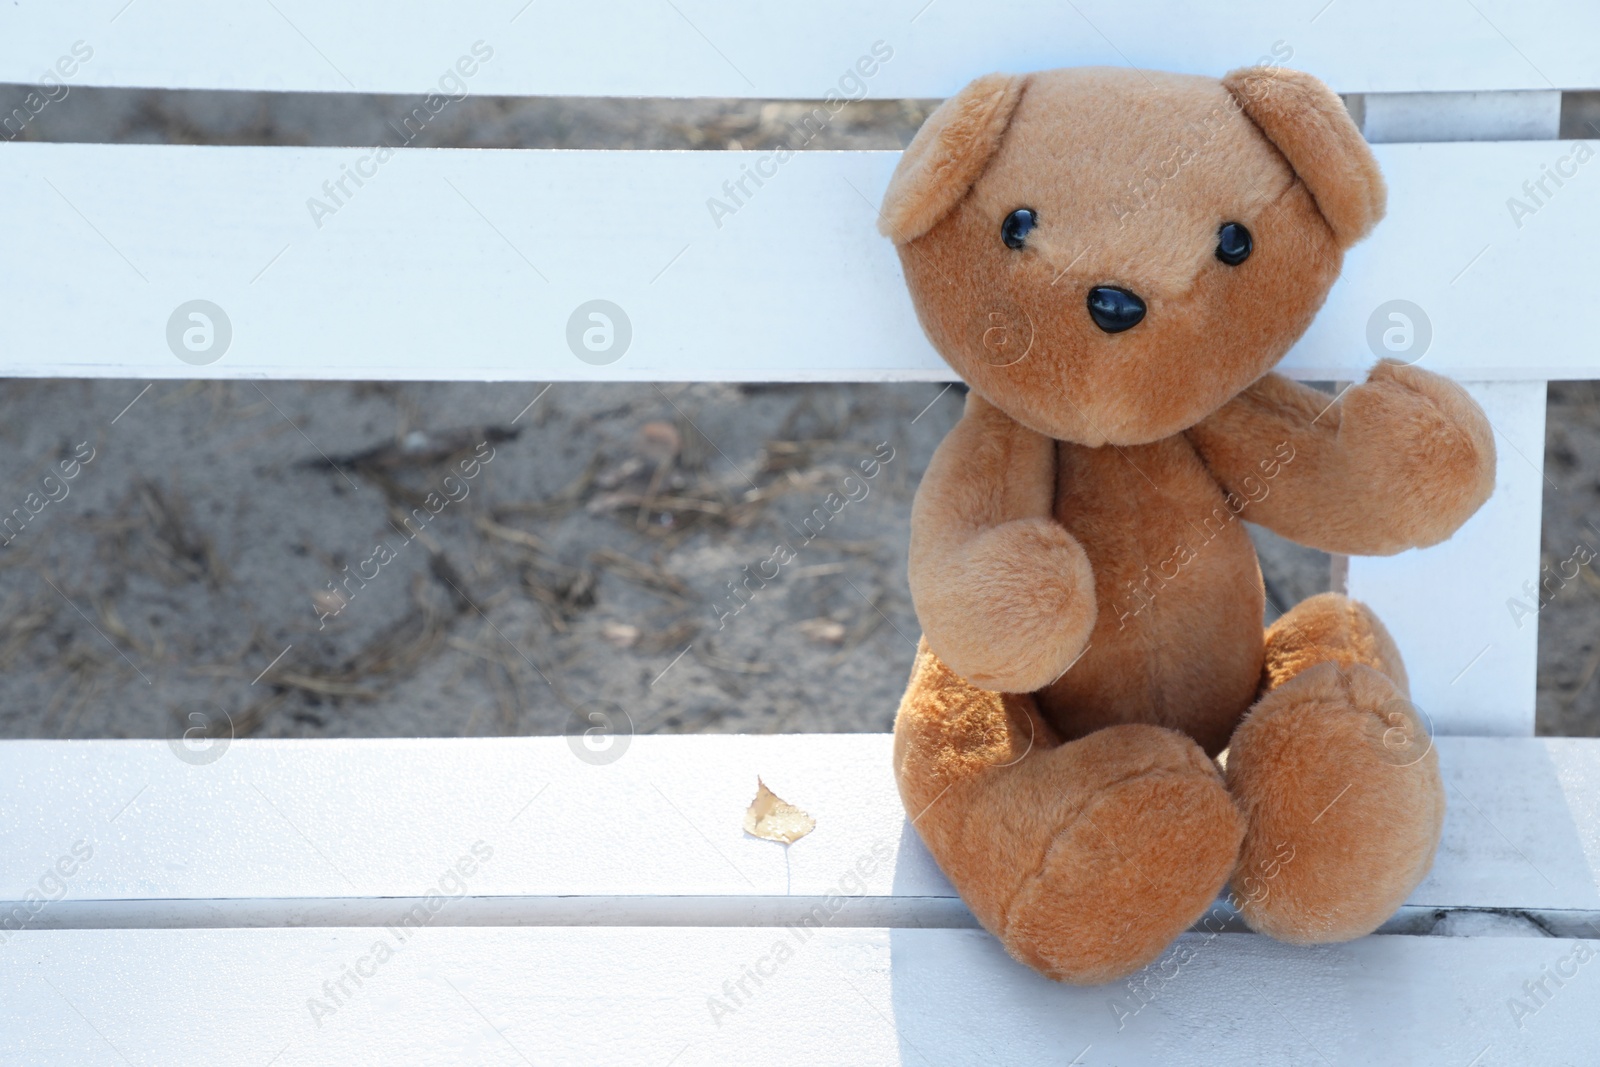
(1114,309)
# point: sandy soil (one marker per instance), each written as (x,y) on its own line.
(197,570)
(217,529)
(1569,623)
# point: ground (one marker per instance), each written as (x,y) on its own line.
(197,572)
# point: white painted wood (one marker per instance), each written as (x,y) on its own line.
(384,818)
(1447,602)
(616,909)
(1517,116)
(1466,626)
(721,48)
(290,832)
(241,998)
(467,265)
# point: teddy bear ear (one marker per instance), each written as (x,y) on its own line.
(1309,124)
(947,155)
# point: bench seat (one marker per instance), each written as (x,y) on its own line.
(607,903)
(627,995)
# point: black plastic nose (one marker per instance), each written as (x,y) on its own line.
(1115,310)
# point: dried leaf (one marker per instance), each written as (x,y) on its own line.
(775,819)
(619,633)
(327,602)
(658,442)
(826,631)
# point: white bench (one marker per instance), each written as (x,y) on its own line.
(623,916)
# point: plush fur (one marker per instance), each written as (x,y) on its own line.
(1091,603)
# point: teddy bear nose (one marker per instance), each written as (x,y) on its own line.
(1113,309)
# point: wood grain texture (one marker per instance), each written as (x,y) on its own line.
(241,998)
(467,265)
(325,823)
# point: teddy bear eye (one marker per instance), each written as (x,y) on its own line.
(1014,230)
(1233,243)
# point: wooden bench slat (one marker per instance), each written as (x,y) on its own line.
(723,49)
(630,996)
(468,265)
(1472,656)
(1520,116)
(270,823)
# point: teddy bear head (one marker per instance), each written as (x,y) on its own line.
(1109,256)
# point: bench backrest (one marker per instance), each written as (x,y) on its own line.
(474,265)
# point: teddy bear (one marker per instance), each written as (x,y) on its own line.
(1099,734)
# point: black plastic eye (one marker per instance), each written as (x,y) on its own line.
(1014,231)
(1233,244)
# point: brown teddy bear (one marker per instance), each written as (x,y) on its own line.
(1114,260)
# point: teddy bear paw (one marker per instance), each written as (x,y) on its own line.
(1137,867)
(1422,436)
(1013,610)
(1337,777)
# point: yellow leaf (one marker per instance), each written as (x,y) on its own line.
(772,817)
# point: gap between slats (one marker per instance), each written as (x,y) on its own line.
(930,913)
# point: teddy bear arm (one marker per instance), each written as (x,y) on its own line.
(1004,593)
(1399,461)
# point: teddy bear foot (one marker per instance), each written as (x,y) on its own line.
(1086,858)
(1340,785)
(1138,865)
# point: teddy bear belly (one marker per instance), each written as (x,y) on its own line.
(1177,640)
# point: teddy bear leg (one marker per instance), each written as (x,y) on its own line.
(1335,773)
(1085,859)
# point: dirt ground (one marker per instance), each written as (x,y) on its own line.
(267,560)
